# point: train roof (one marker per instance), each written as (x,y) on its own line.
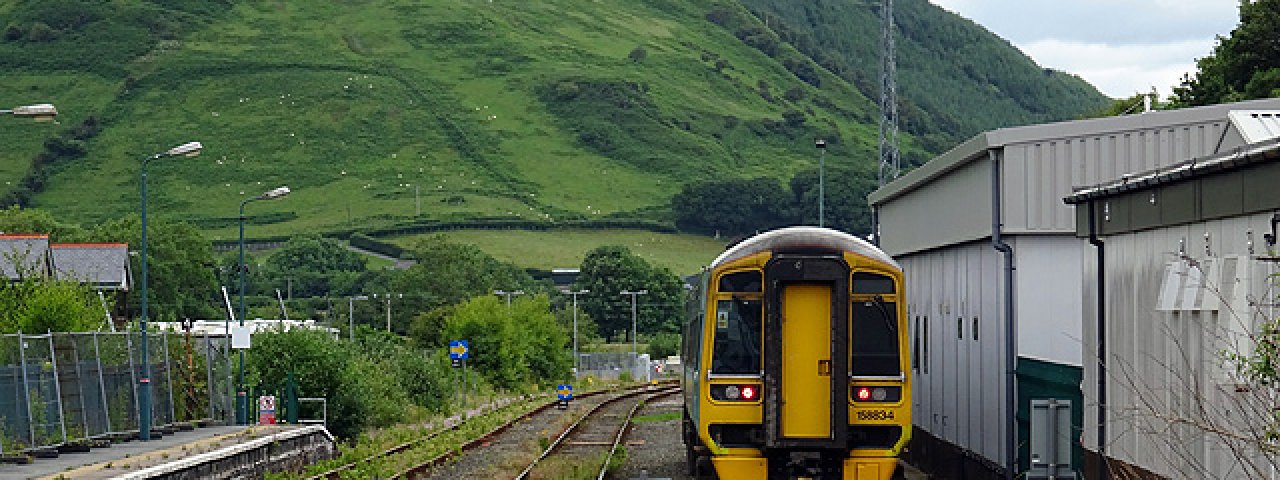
(803,238)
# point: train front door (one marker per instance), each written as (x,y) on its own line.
(806,352)
(806,361)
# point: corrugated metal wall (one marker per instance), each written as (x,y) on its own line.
(1162,349)
(959,377)
(1038,175)
(952,209)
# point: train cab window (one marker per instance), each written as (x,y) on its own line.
(741,282)
(737,337)
(872,284)
(874,338)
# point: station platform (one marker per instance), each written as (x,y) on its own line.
(128,458)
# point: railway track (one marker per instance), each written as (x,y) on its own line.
(506,447)
(349,470)
(586,448)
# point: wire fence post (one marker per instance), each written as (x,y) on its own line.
(168,376)
(231,385)
(26,390)
(84,409)
(133,379)
(208,370)
(57,388)
(102,384)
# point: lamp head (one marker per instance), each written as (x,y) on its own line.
(189,149)
(43,112)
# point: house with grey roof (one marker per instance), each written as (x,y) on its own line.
(24,255)
(102,266)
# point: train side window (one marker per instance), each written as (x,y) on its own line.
(737,337)
(975,328)
(872,284)
(960,328)
(875,338)
(750,281)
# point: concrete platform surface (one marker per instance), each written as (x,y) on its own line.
(122,458)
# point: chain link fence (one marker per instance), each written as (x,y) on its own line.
(60,388)
(612,366)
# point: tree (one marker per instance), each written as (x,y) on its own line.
(512,346)
(16,219)
(313,265)
(845,201)
(449,273)
(36,305)
(446,274)
(638,54)
(1243,65)
(607,271)
(180,266)
(732,206)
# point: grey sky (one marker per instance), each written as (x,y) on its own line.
(1120,46)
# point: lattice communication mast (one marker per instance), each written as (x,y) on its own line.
(890,166)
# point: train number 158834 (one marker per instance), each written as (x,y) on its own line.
(875,414)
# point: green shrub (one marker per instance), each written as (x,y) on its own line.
(663,345)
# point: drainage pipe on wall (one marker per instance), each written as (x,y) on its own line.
(1011,444)
(1102,340)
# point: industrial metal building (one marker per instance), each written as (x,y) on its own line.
(1184,263)
(997,280)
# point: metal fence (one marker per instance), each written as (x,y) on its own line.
(611,366)
(58,388)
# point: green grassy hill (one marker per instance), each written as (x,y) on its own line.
(389,114)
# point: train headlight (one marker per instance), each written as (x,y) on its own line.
(879,394)
(731,392)
(864,394)
(749,392)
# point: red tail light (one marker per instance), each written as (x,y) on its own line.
(736,393)
(885,394)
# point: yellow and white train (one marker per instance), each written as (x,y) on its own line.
(795,360)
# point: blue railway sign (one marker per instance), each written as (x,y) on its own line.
(458,350)
(564,392)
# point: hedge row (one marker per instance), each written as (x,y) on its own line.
(365,242)
(367,239)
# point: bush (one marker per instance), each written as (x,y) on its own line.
(41,32)
(514,346)
(13,32)
(663,345)
(638,55)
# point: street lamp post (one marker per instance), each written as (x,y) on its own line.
(634,333)
(575,328)
(189,149)
(351,315)
(242,401)
(388,297)
(822,194)
(504,293)
(43,112)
